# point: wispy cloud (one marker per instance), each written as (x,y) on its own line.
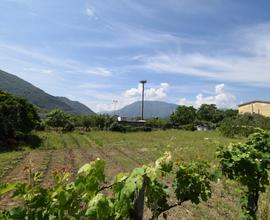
(99,71)
(249,63)
(89,12)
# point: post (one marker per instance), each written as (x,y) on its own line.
(142,82)
(138,211)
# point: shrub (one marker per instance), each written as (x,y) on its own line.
(57,119)
(183,115)
(16,115)
(249,164)
(243,125)
(117,127)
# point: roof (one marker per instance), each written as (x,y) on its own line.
(255,101)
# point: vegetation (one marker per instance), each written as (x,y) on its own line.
(207,116)
(16,115)
(183,115)
(84,197)
(249,164)
(243,124)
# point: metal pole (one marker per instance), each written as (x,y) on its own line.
(142,82)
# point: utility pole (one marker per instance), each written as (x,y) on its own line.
(142,82)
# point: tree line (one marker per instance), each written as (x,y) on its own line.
(18,118)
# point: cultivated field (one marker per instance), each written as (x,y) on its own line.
(123,152)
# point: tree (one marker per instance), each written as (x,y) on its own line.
(58,119)
(16,115)
(249,164)
(209,113)
(18,112)
(183,115)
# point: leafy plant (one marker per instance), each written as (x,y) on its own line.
(86,196)
(16,115)
(249,164)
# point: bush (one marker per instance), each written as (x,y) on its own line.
(183,115)
(16,115)
(249,164)
(57,119)
(68,127)
(117,127)
(156,123)
(244,125)
(128,128)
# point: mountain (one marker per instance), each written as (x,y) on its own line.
(151,109)
(19,87)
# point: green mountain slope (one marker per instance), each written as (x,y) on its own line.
(38,97)
(151,109)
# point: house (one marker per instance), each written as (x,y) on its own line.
(258,107)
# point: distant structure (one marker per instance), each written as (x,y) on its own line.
(258,107)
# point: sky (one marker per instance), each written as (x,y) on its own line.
(96,51)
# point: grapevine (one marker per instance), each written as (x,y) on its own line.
(86,197)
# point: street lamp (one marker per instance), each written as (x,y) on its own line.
(142,82)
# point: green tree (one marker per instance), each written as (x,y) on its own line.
(18,113)
(16,116)
(183,115)
(209,113)
(58,119)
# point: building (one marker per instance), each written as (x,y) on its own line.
(258,107)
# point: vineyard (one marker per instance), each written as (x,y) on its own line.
(122,153)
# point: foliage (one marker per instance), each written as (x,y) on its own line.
(244,125)
(128,128)
(57,119)
(85,197)
(16,115)
(183,115)
(100,122)
(18,112)
(209,113)
(249,164)
(156,123)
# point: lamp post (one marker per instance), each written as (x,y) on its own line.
(142,82)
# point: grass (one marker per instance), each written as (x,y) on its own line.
(125,151)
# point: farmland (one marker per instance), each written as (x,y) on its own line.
(123,152)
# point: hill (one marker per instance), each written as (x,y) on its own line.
(19,87)
(151,109)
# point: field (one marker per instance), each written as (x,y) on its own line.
(124,152)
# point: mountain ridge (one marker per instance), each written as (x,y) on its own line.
(19,87)
(151,109)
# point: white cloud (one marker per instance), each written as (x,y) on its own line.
(247,61)
(99,71)
(89,12)
(154,93)
(221,98)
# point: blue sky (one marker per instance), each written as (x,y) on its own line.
(190,51)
